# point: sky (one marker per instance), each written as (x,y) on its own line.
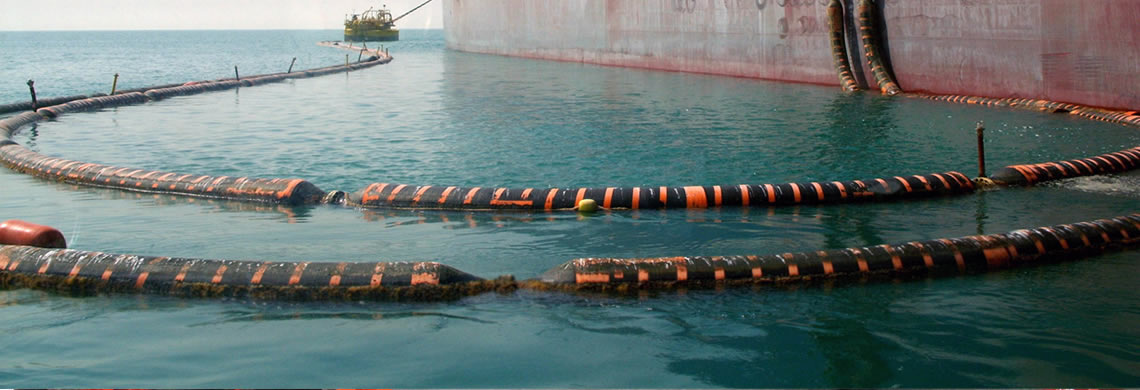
(31,15)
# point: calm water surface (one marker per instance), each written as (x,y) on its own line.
(440,117)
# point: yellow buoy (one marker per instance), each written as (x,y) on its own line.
(587,206)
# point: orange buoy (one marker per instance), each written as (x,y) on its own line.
(16,232)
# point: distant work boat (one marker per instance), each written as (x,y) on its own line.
(374,25)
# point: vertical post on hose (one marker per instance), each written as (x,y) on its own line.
(236,77)
(114,83)
(981,150)
(346,60)
(358,56)
(291,65)
(32,88)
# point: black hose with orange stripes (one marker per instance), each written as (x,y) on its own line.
(870,37)
(85,273)
(384,195)
(1029,174)
(942,256)
(839,46)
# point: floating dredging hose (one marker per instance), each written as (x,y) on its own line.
(85,273)
(289,191)
(1129,118)
(694,197)
(1030,174)
(839,46)
(870,37)
(932,257)
(270,190)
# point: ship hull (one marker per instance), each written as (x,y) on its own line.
(1085,52)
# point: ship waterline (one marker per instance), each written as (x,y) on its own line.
(1043,49)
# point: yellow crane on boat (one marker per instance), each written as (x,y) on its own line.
(374,25)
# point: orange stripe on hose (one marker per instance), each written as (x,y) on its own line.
(550,198)
(771,193)
(419,194)
(334,280)
(609,197)
(818,190)
(218,275)
(256,279)
(664,193)
(695,197)
(1064,244)
(297,272)
(1087,167)
(926,258)
(926,184)
(581,195)
(43,268)
(757,273)
(744,194)
(74,270)
(905,184)
(470,195)
(859,259)
(842,189)
(446,192)
(718,273)
(796,192)
(716,196)
(182,273)
(396,191)
(377,275)
(895,260)
(591,278)
(526,193)
(636,197)
(957,254)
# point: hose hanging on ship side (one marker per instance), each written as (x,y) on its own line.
(870,37)
(839,46)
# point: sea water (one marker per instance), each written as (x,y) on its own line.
(441,117)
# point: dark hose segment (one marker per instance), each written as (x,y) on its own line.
(1122,161)
(290,191)
(1112,116)
(9,125)
(378,195)
(92,104)
(839,46)
(85,273)
(966,254)
(871,47)
(27,105)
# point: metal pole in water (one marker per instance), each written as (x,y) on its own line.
(114,83)
(358,56)
(981,150)
(291,65)
(346,60)
(32,88)
(236,77)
